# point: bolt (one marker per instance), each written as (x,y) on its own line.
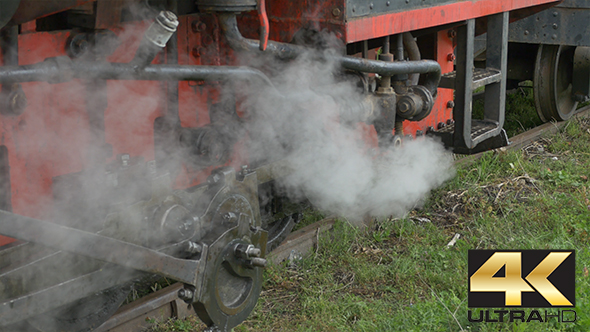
(185,294)
(450,122)
(244,170)
(419,133)
(213,178)
(526,32)
(198,26)
(451,57)
(207,40)
(452,33)
(450,104)
(258,262)
(388,3)
(429,129)
(407,1)
(230,217)
(555,14)
(441,125)
(554,36)
(125,160)
(196,52)
(253,251)
(194,248)
(371,5)
(336,12)
(555,26)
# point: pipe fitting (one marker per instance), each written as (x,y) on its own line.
(416,104)
(155,38)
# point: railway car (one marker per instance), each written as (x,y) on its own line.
(143,137)
(550,49)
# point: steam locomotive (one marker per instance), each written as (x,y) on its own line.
(143,137)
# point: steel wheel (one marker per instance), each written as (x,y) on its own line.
(552,82)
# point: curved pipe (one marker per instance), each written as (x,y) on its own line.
(283,51)
(411,47)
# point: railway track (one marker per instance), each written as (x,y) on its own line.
(165,303)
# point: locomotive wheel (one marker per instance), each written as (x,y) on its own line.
(552,82)
(231,282)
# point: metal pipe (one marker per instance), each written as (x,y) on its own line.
(399,51)
(411,48)
(172,116)
(62,69)
(430,68)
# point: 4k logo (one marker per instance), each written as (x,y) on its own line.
(526,278)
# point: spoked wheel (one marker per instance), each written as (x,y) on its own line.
(552,82)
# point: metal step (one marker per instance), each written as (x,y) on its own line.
(481,77)
(479,129)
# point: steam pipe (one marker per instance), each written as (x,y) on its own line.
(411,47)
(62,69)
(430,68)
(172,59)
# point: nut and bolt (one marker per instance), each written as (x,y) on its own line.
(336,12)
(194,248)
(441,125)
(430,129)
(258,262)
(451,57)
(198,26)
(196,52)
(213,178)
(244,170)
(450,122)
(419,133)
(253,251)
(450,104)
(452,33)
(125,159)
(230,217)
(247,251)
(185,294)
(251,254)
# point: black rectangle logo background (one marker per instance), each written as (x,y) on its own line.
(563,278)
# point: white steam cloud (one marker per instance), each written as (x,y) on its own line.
(333,165)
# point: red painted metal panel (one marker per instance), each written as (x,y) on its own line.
(394,23)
